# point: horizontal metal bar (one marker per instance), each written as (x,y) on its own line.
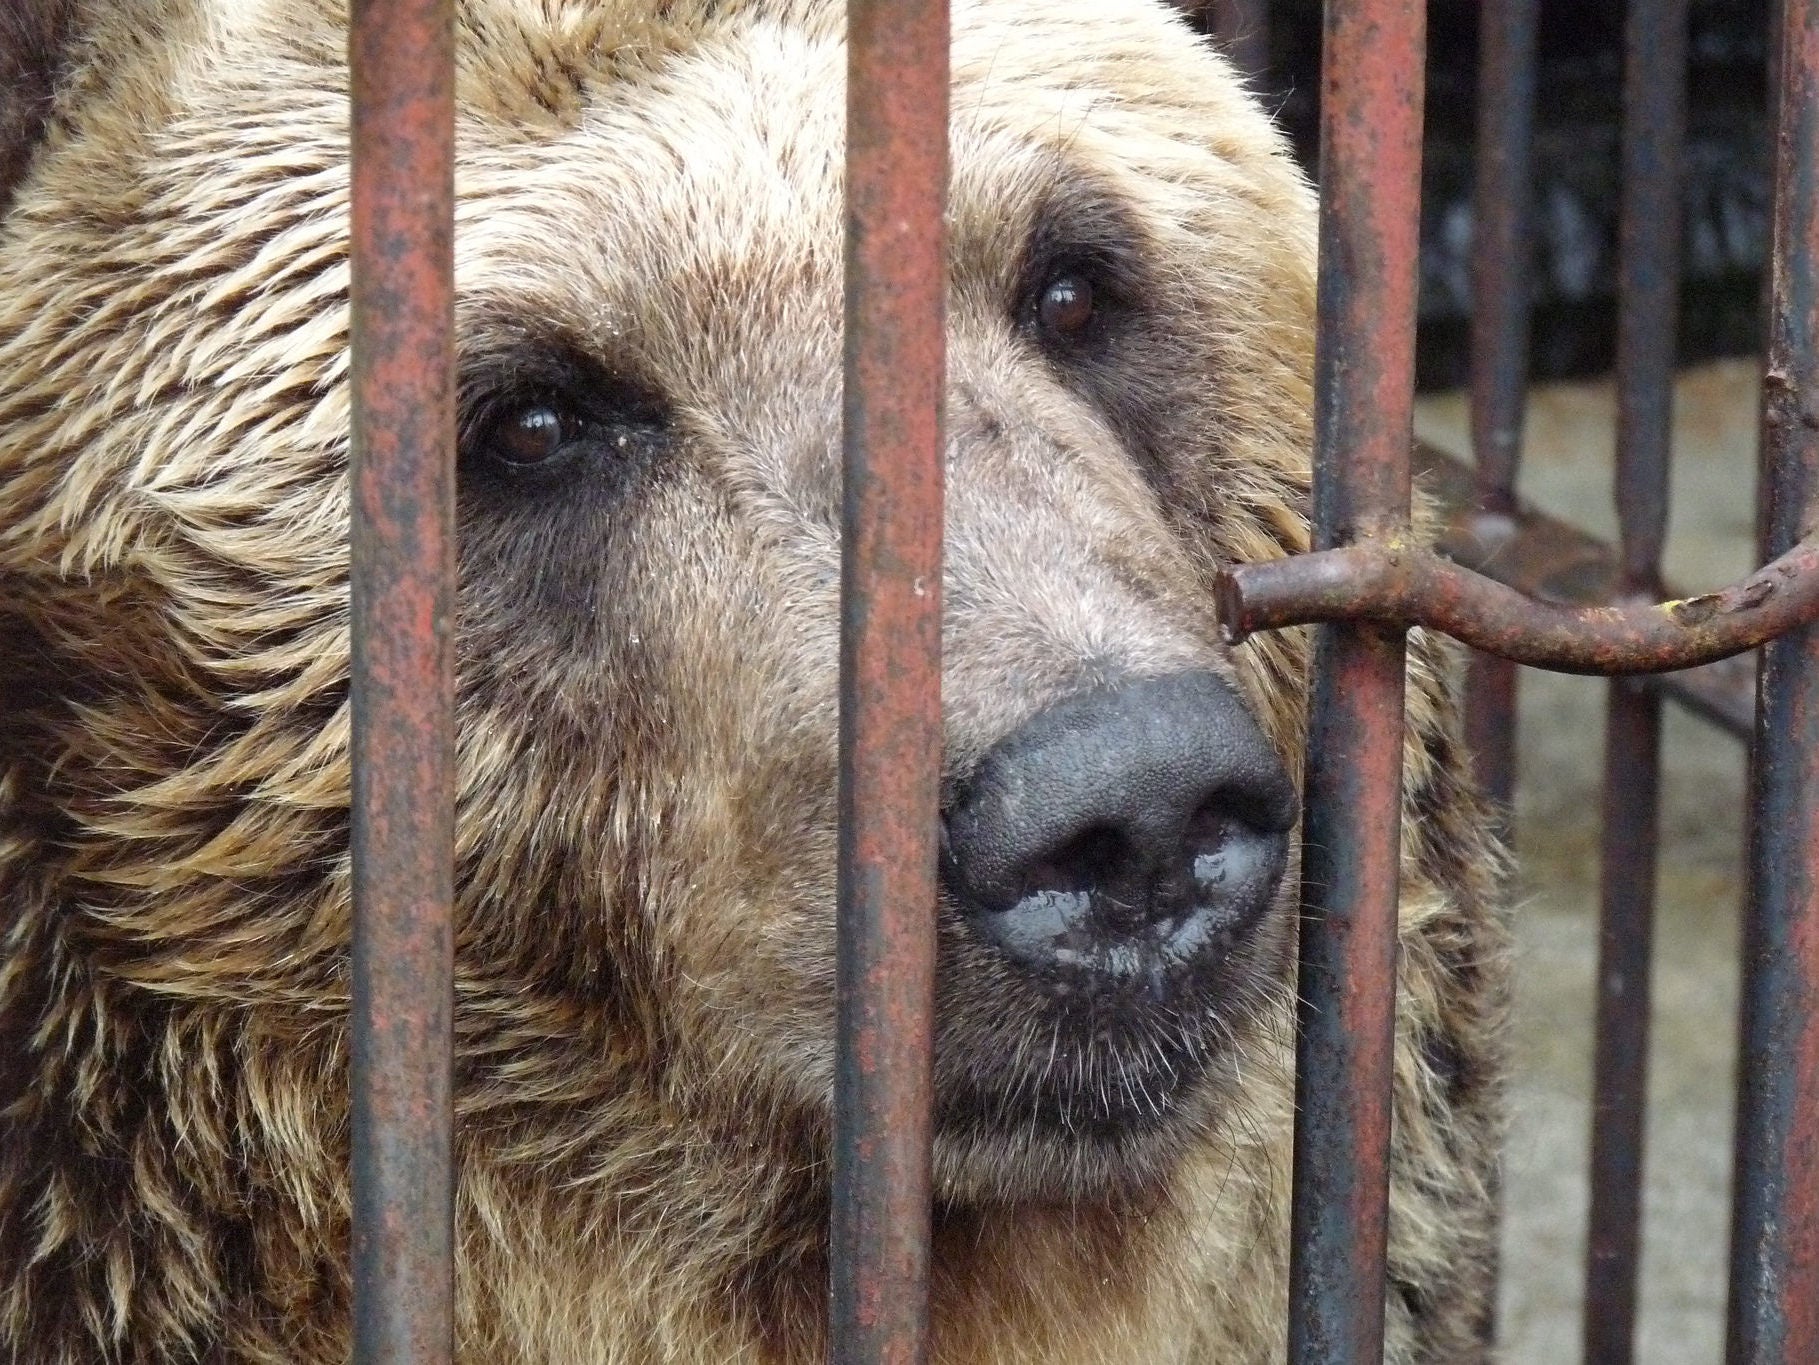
(1543,557)
(403,130)
(1400,583)
(890,677)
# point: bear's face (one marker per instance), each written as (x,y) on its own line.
(649,270)
(650,504)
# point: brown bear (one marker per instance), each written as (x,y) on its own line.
(649,269)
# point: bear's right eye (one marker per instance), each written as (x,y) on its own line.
(579,424)
(528,437)
(532,437)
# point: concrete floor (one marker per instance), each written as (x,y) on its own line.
(1567,462)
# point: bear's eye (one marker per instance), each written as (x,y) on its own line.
(1065,307)
(529,436)
(579,424)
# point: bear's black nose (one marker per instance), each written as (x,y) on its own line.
(1123,835)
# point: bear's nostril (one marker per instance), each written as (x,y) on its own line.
(1210,826)
(1089,859)
(1208,843)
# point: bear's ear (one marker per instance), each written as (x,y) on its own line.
(35,36)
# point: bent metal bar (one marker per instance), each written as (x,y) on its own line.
(1363,575)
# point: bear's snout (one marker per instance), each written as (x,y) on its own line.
(1125,839)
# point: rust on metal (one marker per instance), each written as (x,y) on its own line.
(890,677)
(401,54)
(1654,118)
(1395,582)
(1490,730)
(1543,557)
(1774,1305)
(1626,892)
(1370,172)
(1501,252)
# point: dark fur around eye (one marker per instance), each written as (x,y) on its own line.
(1082,282)
(1132,354)
(551,418)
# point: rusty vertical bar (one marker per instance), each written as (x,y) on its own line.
(1501,260)
(1774,1303)
(401,54)
(1764,483)
(1370,176)
(1654,116)
(1630,806)
(890,676)
(1242,28)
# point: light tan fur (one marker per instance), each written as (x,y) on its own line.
(646,817)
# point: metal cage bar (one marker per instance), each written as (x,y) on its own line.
(1508,72)
(1501,214)
(1654,117)
(890,675)
(1370,171)
(401,54)
(1774,1304)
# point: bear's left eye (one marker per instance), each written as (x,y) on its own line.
(1065,307)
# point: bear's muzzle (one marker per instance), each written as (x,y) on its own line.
(1123,841)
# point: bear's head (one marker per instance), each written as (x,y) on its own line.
(649,268)
(649,276)
(650,503)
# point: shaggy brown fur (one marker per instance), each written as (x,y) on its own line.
(649,210)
